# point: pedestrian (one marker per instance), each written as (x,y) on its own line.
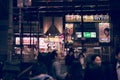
(115,70)
(75,72)
(56,66)
(95,69)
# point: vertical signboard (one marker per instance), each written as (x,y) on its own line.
(104,32)
(69,32)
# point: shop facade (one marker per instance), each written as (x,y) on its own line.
(52,26)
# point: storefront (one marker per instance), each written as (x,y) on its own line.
(93,33)
(48,44)
(81,24)
(32,45)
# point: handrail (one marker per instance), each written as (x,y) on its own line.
(24,71)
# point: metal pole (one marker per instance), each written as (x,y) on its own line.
(20,31)
(20,17)
(82,27)
(10,31)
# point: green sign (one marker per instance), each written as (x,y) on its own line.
(87,35)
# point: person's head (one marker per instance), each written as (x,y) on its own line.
(81,55)
(96,59)
(71,51)
(106,31)
(56,54)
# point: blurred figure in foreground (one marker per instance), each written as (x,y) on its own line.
(75,71)
(56,67)
(69,58)
(95,70)
(116,66)
(39,72)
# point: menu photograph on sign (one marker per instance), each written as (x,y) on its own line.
(104,32)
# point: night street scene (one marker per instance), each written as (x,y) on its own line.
(59,40)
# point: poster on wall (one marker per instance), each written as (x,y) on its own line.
(104,32)
(68,32)
(42,43)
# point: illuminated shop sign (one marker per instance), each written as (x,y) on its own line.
(42,43)
(86,18)
(86,34)
(89,34)
(98,18)
(26,40)
(52,39)
(93,34)
(73,18)
(78,34)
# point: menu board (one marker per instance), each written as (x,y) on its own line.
(73,18)
(86,18)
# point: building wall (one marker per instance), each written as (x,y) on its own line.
(3,39)
(4,12)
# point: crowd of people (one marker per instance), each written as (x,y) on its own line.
(78,68)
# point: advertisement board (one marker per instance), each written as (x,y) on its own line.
(104,32)
(69,32)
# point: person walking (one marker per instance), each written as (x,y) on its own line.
(95,69)
(115,69)
(56,67)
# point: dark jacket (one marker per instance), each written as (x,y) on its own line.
(75,71)
(113,71)
(69,59)
(94,72)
